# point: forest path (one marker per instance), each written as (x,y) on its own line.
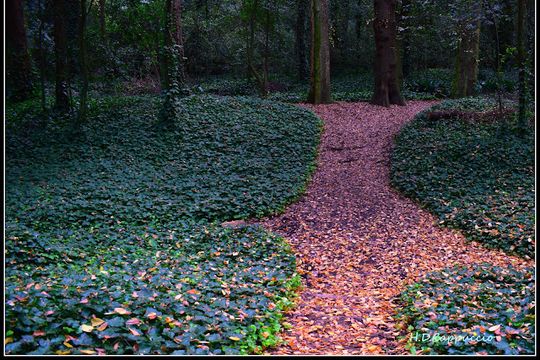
(359,242)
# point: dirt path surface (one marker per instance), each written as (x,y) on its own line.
(359,242)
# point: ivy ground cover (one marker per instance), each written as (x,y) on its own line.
(481,309)
(478,177)
(113,242)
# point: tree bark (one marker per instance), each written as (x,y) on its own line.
(319,92)
(522,9)
(174,59)
(18,66)
(102,19)
(466,67)
(300,44)
(386,62)
(83,94)
(403,42)
(60,55)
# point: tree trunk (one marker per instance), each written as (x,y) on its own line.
(522,9)
(18,66)
(83,94)
(319,92)
(466,68)
(174,59)
(267,26)
(41,52)
(300,44)
(403,41)
(60,55)
(173,62)
(386,62)
(102,19)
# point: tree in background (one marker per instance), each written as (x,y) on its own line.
(300,38)
(468,17)
(18,66)
(102,19)
(173,61)
(60,56)
(386,60)
(83,93)
(319,92)
(521,63)
(253,13)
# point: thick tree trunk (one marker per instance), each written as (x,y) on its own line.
(466,67)
(319,92)
(522,9)
(386,61)
(300,44)
(60,55)
(18,66)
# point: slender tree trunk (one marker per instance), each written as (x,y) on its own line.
(102,19)
(267,29)
(60,55)
(252,70)
(300,44)
(403,42)
(83,94)
(522,9)
(319,92)
(173,62)
(18,66)
(174,59)
(386,62)
(466,67)
(41,52)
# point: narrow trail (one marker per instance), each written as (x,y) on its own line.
(358,241)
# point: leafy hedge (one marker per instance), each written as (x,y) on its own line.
(477,310)
(111,245)
(478,177)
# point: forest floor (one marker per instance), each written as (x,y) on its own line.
(358,241)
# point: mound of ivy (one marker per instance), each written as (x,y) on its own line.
(183,290)
(478,177)
(112,242)
(227,158)
(482,309)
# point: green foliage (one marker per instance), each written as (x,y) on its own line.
(180,289)
(120,218)
(352,87)
(493,303)
(489,83)
(227,159)
(437,82)
(478,177)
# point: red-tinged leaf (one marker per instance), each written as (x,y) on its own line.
(133,321)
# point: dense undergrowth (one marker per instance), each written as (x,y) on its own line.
(419,85)
(478,177)
(112,241)
(480,309)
